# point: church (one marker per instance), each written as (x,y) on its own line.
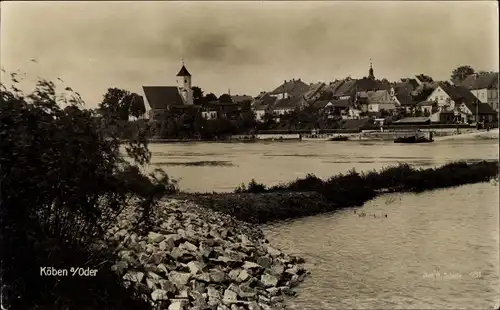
(175,99)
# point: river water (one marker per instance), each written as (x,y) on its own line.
(206,167)
(435,250)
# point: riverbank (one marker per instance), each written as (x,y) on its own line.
(256,203)
(194,258)
(366,135)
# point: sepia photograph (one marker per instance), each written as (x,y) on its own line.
(249,155)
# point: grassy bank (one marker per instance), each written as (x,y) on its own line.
(311,195)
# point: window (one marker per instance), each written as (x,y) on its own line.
(441,98)
(185,81)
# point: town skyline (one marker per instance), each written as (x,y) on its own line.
(101,48)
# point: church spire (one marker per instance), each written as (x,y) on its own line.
(370,72)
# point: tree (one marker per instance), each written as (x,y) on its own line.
(210,97)
(422,92)
(225,98)
(64,182)
(462,72)
(120,104)
(424,78)
(197,95)
(137,107)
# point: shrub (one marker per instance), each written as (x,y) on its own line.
(64,181)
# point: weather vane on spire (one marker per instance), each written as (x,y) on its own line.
(183,61)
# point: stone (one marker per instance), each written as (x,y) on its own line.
(230,262)
(234,273)
(243,276)
(197,286)
(264,261)
(268,280)
(163,268)
(120,267)
(205,249)
(245,291)
(198,299)
(150,249)
(203,277)
(134,276)
(273,291)
(181,255)
(174,237)
(167,245)
(251,265)
(156,237)
(230,296)
(244,239)
(277,269)
(178,305)
(180,279)
(233,287)
(159,295)
(158,257)
(212,292)
(168,287)
(183,294)
(217,276)
(195,267)
(152,284)
(294,270)
(254,306)
(189,246)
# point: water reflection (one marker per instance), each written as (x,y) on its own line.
(436,250)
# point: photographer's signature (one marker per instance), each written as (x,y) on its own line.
(437,274)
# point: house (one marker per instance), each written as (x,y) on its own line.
(241,98)
(209,113)
(446,117)
(285,105)
(332,108)
(379,100)
(173,99)
(292,88)
(448,96)
(262,105)
(478,111)
(375,101)
(314,92)
(353,113)
(401,94)
(484,86)
(427,106)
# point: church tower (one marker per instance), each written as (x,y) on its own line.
(370,72)
(186,89)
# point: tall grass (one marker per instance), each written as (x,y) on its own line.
(344,190)
(402,177)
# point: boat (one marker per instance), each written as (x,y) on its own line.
(413,139)
(339,138)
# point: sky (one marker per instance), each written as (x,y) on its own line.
(246,47)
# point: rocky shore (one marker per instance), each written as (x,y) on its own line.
(195,258)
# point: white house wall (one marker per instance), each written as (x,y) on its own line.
(493,98)
(442,98)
